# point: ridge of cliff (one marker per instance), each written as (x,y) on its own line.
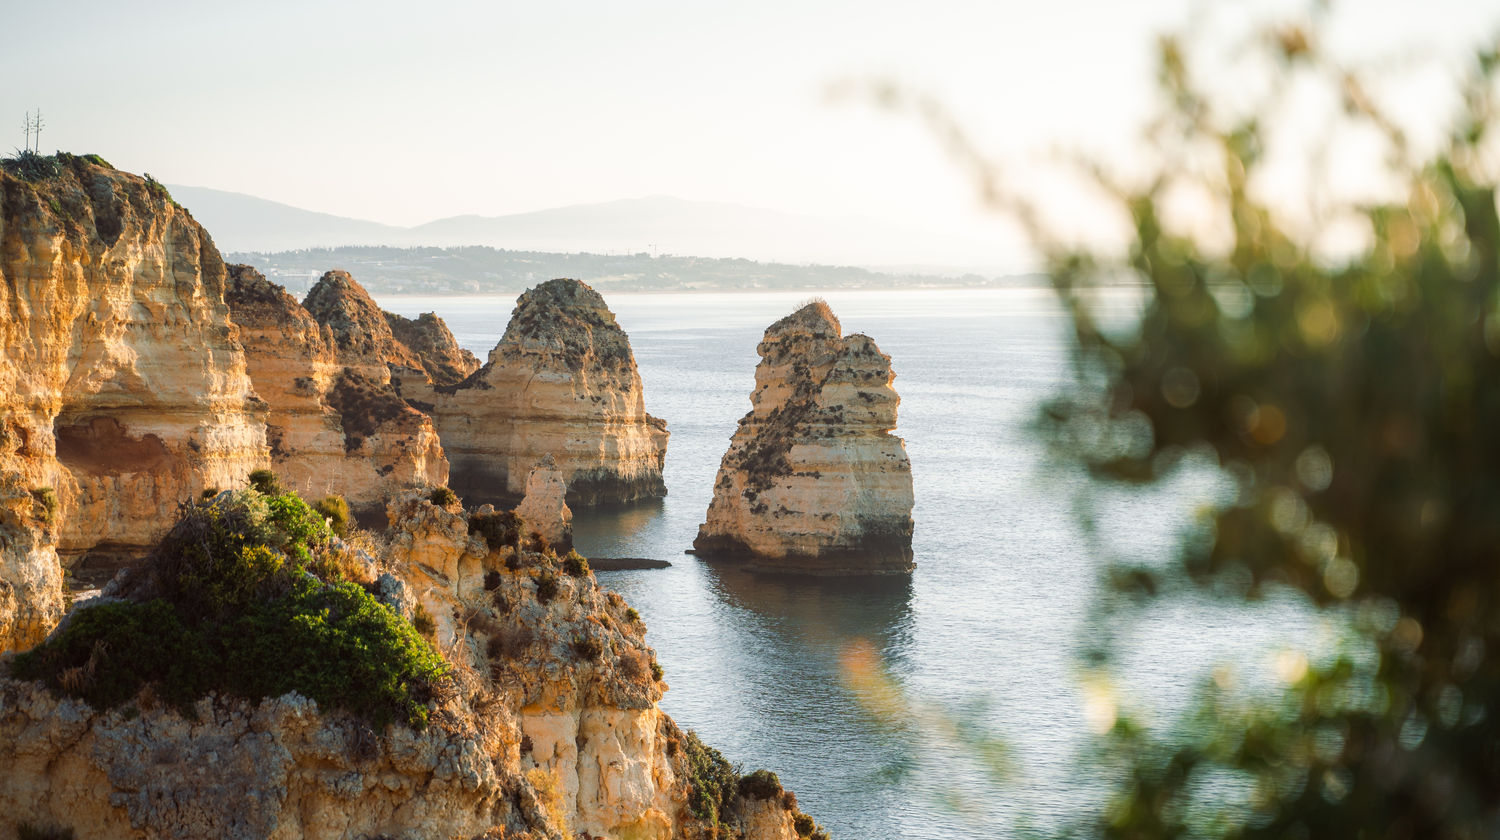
(813,481)
(123,385)
(336,423)
(433,343)
(561,381)
(542,722)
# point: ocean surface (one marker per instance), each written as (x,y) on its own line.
(983,645)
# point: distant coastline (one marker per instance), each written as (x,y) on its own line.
(485,270)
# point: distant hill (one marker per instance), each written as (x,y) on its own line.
(657,225)
(243,222)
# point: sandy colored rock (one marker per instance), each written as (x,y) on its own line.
(545,506)
(336,424)
(122,381)
(430,340)
(31,592)
(553,724)
(813,481)
(562,381)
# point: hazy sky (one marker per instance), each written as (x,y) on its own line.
(409,111)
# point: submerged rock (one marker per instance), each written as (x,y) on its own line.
(813,481)
(561,382)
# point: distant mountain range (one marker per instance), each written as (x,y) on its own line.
(658,224)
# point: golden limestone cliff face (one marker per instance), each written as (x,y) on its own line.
(31,593)
(813,481)
(122,382)
(549,728)
(336,423)
(562,381)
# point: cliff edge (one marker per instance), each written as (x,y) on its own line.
(813,481)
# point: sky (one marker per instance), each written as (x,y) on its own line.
(405,112)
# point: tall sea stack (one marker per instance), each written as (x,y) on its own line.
(561,382)
(814,482)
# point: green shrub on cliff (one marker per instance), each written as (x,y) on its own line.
(335,509)
(712,780)
(230,603)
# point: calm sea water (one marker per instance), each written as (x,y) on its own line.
(985,638)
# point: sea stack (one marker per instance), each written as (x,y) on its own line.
(814,482)
(561,382)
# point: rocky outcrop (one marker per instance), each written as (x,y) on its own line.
(444,362)
(336,423)
(31,592)
(814,482)
(551,729)
(545,507)
(123,385)
(562,381)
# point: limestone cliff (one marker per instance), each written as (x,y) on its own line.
(123,385)
(550,728)
(562,381)
(31,593)
(813,481)
(336,424)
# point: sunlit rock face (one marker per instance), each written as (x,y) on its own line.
(443,361)
(561,382)
(336,423)
(123,384)
(31,592)
(813,481)
(545,506)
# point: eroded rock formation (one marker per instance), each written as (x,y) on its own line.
(552,729)
(562,381)
(545,507)
(813,481)
(337,424)
(123,386)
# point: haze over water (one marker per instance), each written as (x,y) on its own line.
(990,628)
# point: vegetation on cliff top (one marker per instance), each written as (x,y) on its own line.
(243,597)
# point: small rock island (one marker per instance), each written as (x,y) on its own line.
(814,482)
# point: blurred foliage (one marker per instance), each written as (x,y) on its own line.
(1355,404)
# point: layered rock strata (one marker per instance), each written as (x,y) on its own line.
(563,382)
(336,424)
(123,386)
(552,729)
(813,481)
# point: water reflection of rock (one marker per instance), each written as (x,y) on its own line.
(821,615)
(622,530)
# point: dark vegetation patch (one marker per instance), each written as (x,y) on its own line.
(712,780)
(546,586)
(443,497)
(576,564)
(365,405)
(230,602)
